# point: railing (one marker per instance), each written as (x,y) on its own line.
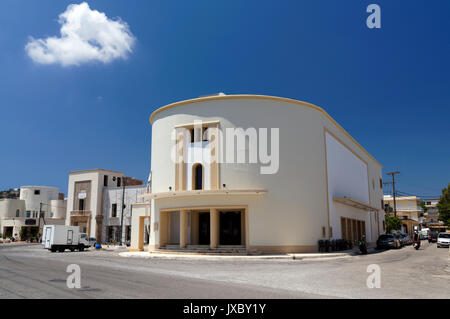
(80,213)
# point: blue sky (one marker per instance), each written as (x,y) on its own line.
(389,87)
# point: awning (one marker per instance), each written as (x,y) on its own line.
(223,192)
(355,203)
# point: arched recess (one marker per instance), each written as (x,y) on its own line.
(198,176)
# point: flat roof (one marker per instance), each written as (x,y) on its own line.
(38,186)
(204,193)
(94,170)
(262,97)
(389,197)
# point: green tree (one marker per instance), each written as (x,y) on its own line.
(392,223)
(23,234)
(425,208)
(444,205)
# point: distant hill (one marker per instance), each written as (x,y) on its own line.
(10,193)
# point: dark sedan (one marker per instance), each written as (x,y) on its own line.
(388,241)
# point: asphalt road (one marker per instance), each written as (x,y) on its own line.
(30,271)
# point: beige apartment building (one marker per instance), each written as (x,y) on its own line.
(256,173)
(431,216)
(95,199)
(408,210)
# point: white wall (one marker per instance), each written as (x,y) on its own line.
(58,208)
(9,207)
(113,195)
(198,152)
(32,201)
(347,177)
(347,174)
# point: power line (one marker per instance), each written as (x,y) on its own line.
(393,190)
(423,196)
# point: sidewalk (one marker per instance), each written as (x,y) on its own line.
(307,256)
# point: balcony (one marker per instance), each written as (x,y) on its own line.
(80,213)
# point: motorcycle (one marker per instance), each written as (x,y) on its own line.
(362,247)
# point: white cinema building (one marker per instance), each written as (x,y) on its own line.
(310,181)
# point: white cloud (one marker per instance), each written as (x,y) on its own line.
(86,35)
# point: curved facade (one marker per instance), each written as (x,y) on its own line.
(258,172)
(35,195)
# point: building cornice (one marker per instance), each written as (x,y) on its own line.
(261,97)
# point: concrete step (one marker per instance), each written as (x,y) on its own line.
(201,249)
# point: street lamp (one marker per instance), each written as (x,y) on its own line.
(123,207)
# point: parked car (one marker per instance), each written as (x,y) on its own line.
(399,237)
(443,240)
(433,235)
(388,241)
(406,239)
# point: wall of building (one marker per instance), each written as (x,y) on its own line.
(33,201)
(296,206)
(58,208)
(96,179)
(348,176)
(198,152)
(113,195)
(10,207)
(138,234)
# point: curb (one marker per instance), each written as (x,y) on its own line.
(147,255)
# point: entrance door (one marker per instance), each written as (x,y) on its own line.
(230,228)
(69,237)
(47,237)
(203,229)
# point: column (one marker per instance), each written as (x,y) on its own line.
(183,228)
(214,228)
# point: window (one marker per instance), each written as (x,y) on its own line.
(382,205)
(119,180)
(37,192)
(81,204)
(114,210)
(428,203)
(28,213)
(201,136)
(105,180)
(17,213)
(381,183)
(191,132)
(197,176)
(204,135)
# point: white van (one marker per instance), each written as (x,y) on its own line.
(60,237)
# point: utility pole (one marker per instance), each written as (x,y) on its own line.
(123,206)
(393,190)
(39,220)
